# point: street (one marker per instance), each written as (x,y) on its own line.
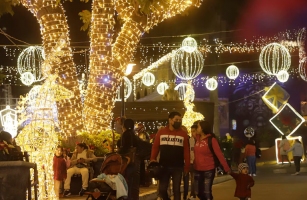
(272,182)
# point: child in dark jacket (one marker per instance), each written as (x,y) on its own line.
(59,170)
(244,182)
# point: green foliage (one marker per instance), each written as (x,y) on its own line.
(226,146)
(85,17)
(6,6)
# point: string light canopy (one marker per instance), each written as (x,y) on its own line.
(189,44)
(211,84)
(161,88)
(148,79)
(30,61)
(274,57)
(127,91)
(187,65)
(283,76)
(182,89)
(232,72)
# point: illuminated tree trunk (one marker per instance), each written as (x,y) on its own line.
(53,25)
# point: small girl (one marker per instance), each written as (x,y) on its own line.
(244,182)
(66,157)
(59,170)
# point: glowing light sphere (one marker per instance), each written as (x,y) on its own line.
(161,88)
(303,68)
(232,72)
(273,58)
(283,76)
(148,79)
(127,90)
(30,60)
(211,84)
(182,89)
(189,44)
(187,65)
(27,78)
(249,132)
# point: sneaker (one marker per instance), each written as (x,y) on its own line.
(297,173)
(67,193)
(82,191)
(254,175)
(250,174)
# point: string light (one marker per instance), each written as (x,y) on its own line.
(30,60)
(190,116)
(27,78)
(182,89)
(189,44)
(283,76)
(161,88)
(8,118)
(211,84)
(127,91)
(274,58)
(187,65)
(148,79)
(232,72)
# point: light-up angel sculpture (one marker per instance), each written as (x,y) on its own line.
(190,116)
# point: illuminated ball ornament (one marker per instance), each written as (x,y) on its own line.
(27,78)
(211,84)
(249,132)
(161,88)
(148,79)
(127,91)
(283,76)
(187,65)
(303,68)
(30,60)
(232,72)
(182,89)
(273,58)
(189,44)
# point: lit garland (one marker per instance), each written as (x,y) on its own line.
(190,116)
(274,58)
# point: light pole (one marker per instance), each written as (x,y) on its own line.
(122,89)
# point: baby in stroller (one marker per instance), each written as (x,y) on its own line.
(110,184)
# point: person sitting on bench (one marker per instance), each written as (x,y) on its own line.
(79,164)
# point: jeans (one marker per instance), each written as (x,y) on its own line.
(176,174)
(205,181)
(297,162)
(186,185)
(251,161)
(133,177)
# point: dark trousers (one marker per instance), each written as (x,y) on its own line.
(251,161)
(176,174)
(205,181)
(297,162)
(142,172)
(186,185)
(285,157)
(133,177)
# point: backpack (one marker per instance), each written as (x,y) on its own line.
(258,153)
(286,146)
(216,160)
(113,164)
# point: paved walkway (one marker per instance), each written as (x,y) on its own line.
(272,182)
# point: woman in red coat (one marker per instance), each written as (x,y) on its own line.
(207,155)
(59,170)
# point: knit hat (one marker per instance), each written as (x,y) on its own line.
(242,166)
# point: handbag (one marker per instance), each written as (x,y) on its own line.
(131,151)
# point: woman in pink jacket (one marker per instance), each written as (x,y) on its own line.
(208,156)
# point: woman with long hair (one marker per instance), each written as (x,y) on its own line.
(250,155)
(208,155)
(284,146)
(125,143)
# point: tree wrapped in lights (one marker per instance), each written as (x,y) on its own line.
(190,116)
(108,58)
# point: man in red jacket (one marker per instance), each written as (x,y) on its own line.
(173,144)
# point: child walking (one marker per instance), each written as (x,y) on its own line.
(59,170)
(244,182)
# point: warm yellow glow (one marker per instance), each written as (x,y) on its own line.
(190,116)
(129,69)
(290,156)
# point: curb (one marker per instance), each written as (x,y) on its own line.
(266,163)
(153,195)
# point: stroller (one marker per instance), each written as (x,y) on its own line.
(113,164)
